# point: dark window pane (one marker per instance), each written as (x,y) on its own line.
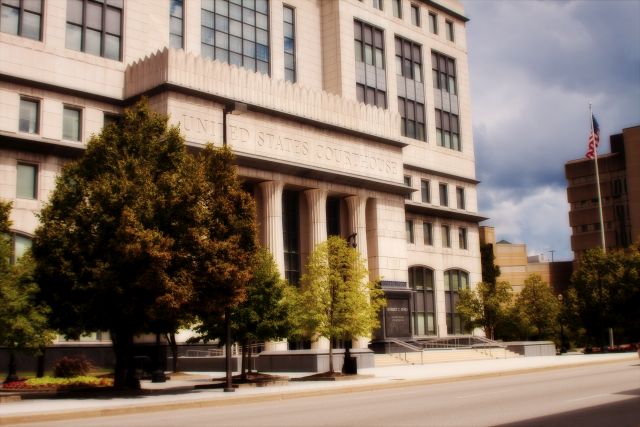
(207,36)
(262,53)
(249,63)
(112,22)
(33,5)
(31,26)
(74,11)
(235,59)
(262,6)
(175,41)
(360,93)
(235,12)
(175,8)
(263,67)
(94,16)
(249,32)
(249,17)
(73,38)
(222,23)
(249,48)
(235,29)
(111,47)
(92,42)
(289,46)
(207,19)
(262,21)
(222,55)
(9,20)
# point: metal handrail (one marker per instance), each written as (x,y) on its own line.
(406,345)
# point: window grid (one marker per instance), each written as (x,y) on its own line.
(236,32)
(410,234)
(409,65)
(289,44)
(176,24)
(415,15)
(377,4)
(425,191)
(421,281)
(447,130)
(454,281)
(291,235)
(460,198)
(369,49)
(71,123)
(433,23)
(26,181)
(95,27)
(29,120)
(444,73)
(20,244)
(21,18)
(427,230)
(462,238)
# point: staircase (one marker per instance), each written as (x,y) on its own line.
(443,350)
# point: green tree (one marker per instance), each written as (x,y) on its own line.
(23,321)
(263,316)
(486,306)
(606,290)
(490,271)
(538,307)
(337,301)
(115,249)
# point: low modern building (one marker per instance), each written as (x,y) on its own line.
(328,106)
(516,265)
(620,191)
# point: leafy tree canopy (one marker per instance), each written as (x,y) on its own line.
(485,306)
(538,307)
(337,301)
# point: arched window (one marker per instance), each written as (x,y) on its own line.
(424,319)
(454,281)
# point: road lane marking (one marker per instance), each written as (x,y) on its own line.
(588,397)
(484,393)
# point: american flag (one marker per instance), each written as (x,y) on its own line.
(594,139)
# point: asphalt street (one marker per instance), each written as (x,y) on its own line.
(599,395)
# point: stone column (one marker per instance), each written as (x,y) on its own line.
(272,233)
(272,220)
(317,203)
(358,224)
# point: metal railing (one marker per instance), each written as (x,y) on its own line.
(236,350)
(411,348)
(479,344)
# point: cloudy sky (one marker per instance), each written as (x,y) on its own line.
(535,66)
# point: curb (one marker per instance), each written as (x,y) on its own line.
(285,395)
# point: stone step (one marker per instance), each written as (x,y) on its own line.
(440,356)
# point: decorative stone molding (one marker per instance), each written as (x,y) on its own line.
(194,72)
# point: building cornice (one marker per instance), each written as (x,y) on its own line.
(442,212)
(38,144)
(446,10)
(325,175)
(441,174)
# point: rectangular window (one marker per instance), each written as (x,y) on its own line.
(407,182)
(377,4)
(71,124)
(409,65)
(291,236)
(29,113)
(425,191)
(444,194)
(462,238)
(427,231)
(95,27)
(415,15)
(397,8)
(176,24)
(333,216)
(289,44)
(447,130)
(369,50)
(460,197)
(433,23)
(446,236)
(443,71)
(410,236)
(237,33)
(26,181)
(21,18)
(449,29)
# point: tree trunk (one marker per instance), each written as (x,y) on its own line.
(124,375)
(249,358)
(12,375)
(171,339)
(40,364)
(331,356)
(243,368)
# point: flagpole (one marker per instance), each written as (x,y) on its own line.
(595,159)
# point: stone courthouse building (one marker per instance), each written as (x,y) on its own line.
(347,117)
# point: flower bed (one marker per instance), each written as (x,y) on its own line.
(51,383)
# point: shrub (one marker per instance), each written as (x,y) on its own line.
(69,366)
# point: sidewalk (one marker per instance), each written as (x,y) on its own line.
(180,394)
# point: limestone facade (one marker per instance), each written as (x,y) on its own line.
(347,165)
